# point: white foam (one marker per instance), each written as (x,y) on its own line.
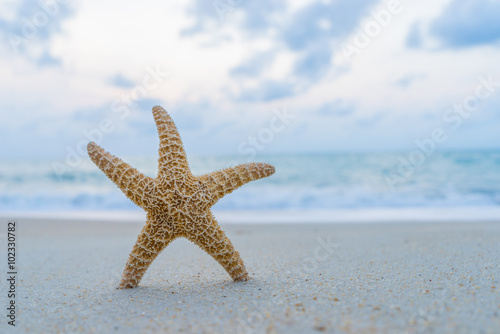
(125,216)
(377,215)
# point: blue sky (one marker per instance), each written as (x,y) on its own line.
(355,75)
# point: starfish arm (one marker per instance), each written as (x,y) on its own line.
(131,182)
(172,157)
(150,243)
(214,241)
(225,181)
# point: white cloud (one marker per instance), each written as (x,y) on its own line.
(103,39)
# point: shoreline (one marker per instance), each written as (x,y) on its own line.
(288,216)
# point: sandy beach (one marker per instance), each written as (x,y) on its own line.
(306,278)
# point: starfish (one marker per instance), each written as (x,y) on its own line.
(177,203)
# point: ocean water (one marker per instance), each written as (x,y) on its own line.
(312,182)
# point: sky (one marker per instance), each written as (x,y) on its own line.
(244,76)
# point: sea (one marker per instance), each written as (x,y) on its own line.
(319,187)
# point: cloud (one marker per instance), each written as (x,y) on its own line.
(192,116)
(259,16)
(323,21)
(408,80)
(267,91)
(372,120)
(31,26)
(207,15)
(202,11)
(312,64)
(414,38)
(308,34)
(313,30)
(466,23)
(339,108)
(46,59)
(119,80)
(253,66)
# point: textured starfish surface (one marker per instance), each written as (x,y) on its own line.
(177,203)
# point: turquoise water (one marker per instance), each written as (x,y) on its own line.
(305,181)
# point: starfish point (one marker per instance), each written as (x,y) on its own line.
(177,203)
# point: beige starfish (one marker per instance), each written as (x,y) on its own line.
(177,203)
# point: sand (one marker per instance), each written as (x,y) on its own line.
(336,278)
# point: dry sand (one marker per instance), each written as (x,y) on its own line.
(337,278)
